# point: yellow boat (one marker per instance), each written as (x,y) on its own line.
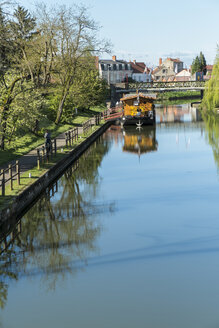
(138,109)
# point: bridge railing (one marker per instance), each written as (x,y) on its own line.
(166,85)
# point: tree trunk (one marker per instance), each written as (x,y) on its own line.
(65,92)
(61,105)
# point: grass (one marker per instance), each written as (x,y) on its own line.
(26,181)
(28,141)
(172,95)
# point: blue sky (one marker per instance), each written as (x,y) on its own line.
(147,30)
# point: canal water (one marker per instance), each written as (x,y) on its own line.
(127,237)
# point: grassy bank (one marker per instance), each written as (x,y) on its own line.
(178,95)
(35,173)
(26,141)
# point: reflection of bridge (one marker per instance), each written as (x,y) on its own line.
(160,86)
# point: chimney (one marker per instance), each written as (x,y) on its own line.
(114,58)
(160,61)
(97,62)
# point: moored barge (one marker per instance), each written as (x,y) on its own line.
(138,110)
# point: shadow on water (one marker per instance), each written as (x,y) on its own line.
(61,227)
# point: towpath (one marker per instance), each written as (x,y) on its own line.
(29,160)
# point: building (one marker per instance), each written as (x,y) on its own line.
(114,71)
(209,69)
(176,65)
(167,70)
(140,72)
(184,75)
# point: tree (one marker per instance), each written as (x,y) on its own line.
(203,63)
(211,94)
(75,39)
(196,65)
(23,30)
(199,64)
(88,89)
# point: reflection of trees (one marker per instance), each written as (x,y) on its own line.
(212,135)
(58,233)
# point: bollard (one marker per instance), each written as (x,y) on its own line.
(18,172)
(11,175)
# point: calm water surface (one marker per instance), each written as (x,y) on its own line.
(129,239)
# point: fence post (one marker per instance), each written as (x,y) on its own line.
(43,151)
(3,182)
(66,139)
(51,149)
(38,159)
(55,146)
(10,175)
(18,172)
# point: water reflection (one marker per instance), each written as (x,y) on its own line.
(134,140)
(60,229)
(140,141)
(177,113)
(212,134)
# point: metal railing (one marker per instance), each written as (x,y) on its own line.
(8,175)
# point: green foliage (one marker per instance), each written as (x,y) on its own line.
(45,74)
(199,64)
(211,93)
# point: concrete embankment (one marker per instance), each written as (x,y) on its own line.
(32,192)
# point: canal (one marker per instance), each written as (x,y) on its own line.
(127,237)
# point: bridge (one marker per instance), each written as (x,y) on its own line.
(160,86)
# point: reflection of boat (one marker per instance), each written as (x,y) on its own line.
(140,142)
(138,109)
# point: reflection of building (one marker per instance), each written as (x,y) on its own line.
(176,113)
(140,141)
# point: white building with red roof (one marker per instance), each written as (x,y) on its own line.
(140,72)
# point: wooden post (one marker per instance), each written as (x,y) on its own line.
(38,159)
(3,182)
(43,151)
(66,139)
(55,146)
(69,138)
(18,172)
(11,175)
(51,148)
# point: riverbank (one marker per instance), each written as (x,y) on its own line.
(27,141)
(178,95)
(31,187)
